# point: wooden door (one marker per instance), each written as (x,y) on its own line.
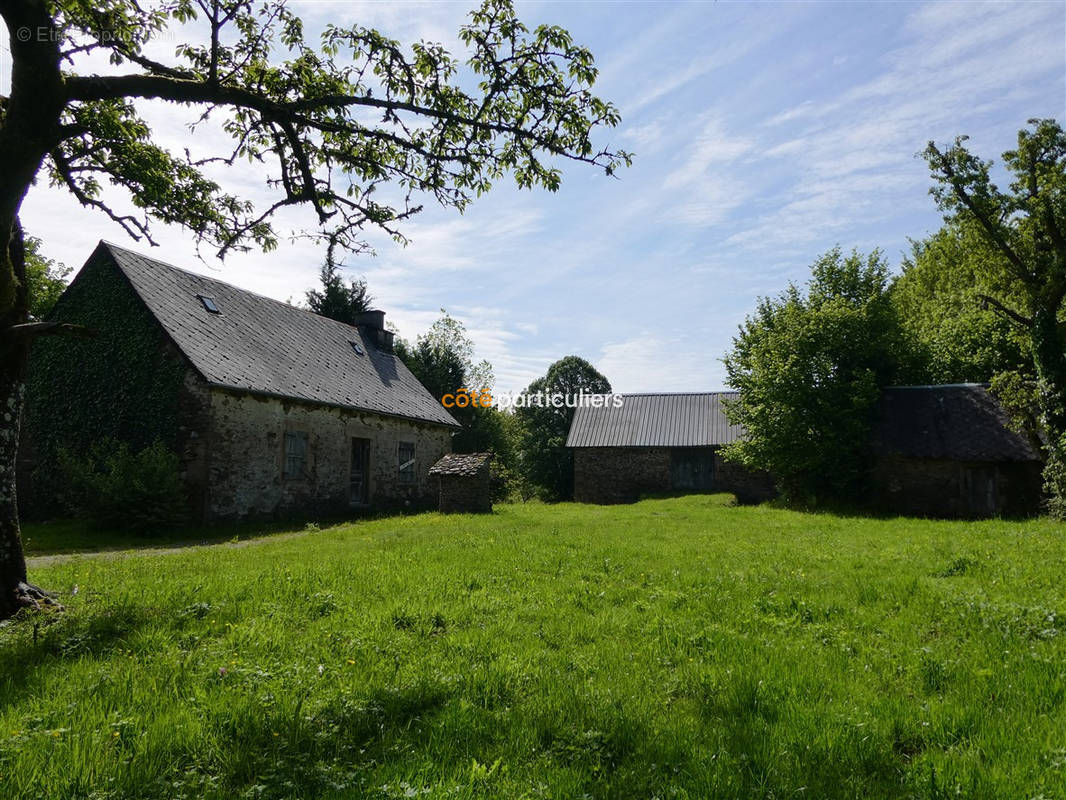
(359,475)
(692,469)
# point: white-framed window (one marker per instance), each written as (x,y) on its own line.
(294,462)
(406,462)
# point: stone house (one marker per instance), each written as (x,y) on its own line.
(950,451)
(658,443)
(463,483)
(271,409)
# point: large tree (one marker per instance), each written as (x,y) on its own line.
(354,127)
(940,299)
(1025,226)
(544,421)
(442,359)
(809,366)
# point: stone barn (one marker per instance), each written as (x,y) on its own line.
(950,451)
(271,409)
(658,443)
(462,482)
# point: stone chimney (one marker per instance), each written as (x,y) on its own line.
(372,324)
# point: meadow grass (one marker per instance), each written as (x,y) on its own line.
(679,648)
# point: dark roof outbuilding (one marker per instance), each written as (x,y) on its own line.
(243,341)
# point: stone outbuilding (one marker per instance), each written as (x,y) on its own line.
(938,451)
(462,482)
(271,409)
(950,451)
(658,443)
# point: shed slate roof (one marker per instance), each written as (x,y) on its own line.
(656,420)
(260,345)
(464,464)
(961,422)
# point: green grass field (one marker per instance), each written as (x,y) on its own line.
(675,648)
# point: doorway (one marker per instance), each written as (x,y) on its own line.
(359,474)
(692,469)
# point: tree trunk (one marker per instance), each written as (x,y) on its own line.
(12,562)
(1048,357)
(15,592)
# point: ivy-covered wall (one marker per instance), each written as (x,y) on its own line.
(124,382)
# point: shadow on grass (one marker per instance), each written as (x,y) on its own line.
(288,749)
(70,536)
(33,643)
(60,537)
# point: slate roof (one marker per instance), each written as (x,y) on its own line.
(260,345)
(464,464)
(655,420)
(960,422)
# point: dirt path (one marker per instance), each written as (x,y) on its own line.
(35,562)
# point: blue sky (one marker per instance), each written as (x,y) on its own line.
(764,133)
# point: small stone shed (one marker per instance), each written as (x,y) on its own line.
(950,451)
(462,482)
(658,443)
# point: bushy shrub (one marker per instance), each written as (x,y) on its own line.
(118,488)
(809,366)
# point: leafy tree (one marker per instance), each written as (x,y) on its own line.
(809,367)
(1025,227)
(338,300)
(356,128)
(545,462)
(953,335)
(46,279)
(443,361)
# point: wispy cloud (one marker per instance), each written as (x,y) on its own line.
(764,134)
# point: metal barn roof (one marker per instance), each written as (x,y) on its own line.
(256,344)
(656,420)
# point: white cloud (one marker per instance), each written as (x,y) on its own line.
(643,362)
(714,145)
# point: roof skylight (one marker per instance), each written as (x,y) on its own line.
(209,304)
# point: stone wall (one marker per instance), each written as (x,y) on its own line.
(246,459)
(465,494)
(623,474)
(194,423)
(749,486)
(942,488)
(619,474)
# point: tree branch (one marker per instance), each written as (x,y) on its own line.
(183,90)
(944,163)
(1004,311)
